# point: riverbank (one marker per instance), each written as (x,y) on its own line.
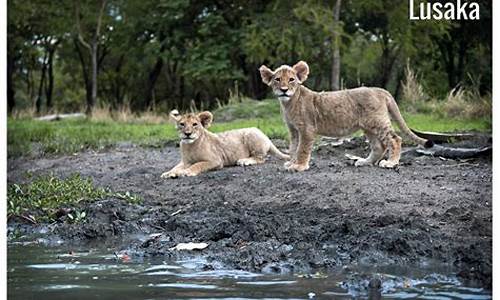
(262,218)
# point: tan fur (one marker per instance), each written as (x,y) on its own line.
(336,114)
(202,150)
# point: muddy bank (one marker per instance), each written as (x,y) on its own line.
(263,218)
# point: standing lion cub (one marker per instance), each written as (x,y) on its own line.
(202,150)
(336,114)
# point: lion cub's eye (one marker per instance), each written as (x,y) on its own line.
(277,79)
(195,124)
(291,79)
(181,124)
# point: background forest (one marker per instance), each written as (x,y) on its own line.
(67,56)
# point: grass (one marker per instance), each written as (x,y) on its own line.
(69,136)
(27,137)
(41,199)
(437,123)
(248,109)
(462,102)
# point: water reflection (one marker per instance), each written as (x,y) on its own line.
(35,271)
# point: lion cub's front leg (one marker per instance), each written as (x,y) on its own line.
(306,141)
(294,141)
(174,172)
(200,167)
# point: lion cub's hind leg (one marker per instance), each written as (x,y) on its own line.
(256,157)
(258,145)
(377,152)
(393,142)
(249,161)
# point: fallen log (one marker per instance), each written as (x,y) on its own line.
(455,153)
(57,117)
(441,151)
(439,138)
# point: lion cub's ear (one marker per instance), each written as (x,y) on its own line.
(174,115)
(206,118)
(266,74)
(302,70)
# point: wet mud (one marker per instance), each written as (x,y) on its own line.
(262,218)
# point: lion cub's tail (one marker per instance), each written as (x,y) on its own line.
(274,151)
(396,115)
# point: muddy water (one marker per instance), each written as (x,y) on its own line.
(41,272)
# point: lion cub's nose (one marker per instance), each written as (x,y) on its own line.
(284,89)
(188,134)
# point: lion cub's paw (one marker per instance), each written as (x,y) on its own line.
(288,163)
(293,167)
(387,164)
(246,162)
(362,162)
(176,174)
(170,174)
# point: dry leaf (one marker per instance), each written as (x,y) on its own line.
(190,246)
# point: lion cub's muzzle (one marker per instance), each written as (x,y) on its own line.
(284,97)
(188,138)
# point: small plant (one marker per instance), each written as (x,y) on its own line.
(128,197)
(41,199)
(467,103)
(456,103)
(413,92)
(77,216)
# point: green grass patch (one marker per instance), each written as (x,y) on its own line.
(68,136)
(433,122)
(41,199)
(26,136)
(248,109)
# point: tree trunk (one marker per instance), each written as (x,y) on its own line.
(117,83)
(450,68)
(335,84)
(389,55)
(91,101)
(150,84)
(38,102)
(11,100)
(93,51)
(29,84)
(462,51)
(85,72)
(49,87)
(448,57)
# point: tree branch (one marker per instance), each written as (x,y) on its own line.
(99,20)
(78,25)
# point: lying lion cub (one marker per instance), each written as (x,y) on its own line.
(336,114)
(202,150)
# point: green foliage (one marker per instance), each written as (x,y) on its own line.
(164,54)
(248,108)
(42,198)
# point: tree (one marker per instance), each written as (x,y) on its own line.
(336,49)
(35,32)
(92,47)
(164,54)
